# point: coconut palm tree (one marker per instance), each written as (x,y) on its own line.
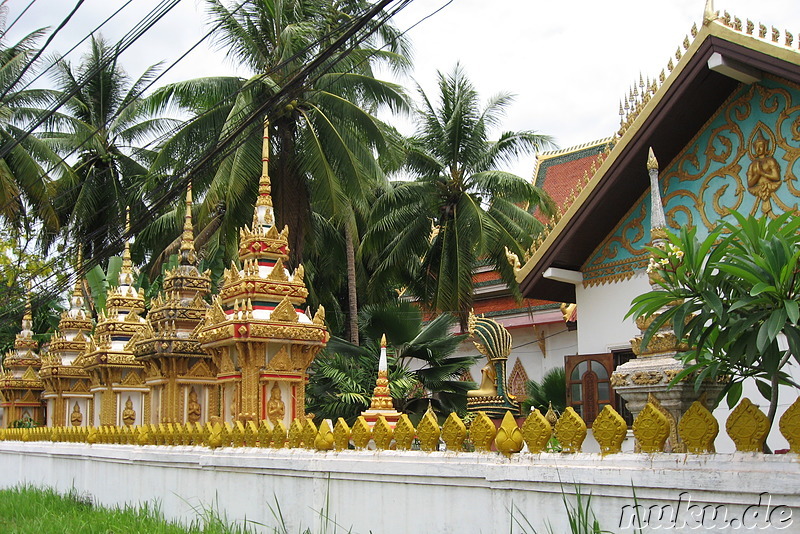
(323,131)
(461,208)
(25,186)
(104,125)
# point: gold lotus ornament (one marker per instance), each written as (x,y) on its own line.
(482,432)
(324,439)
(536,431)
(570,431)
(295,438)
(279,436)
(309,433)
(698,429)
(509,438)
(361,433)
(382,434)
(651,429)
(341,435)
(264,433)
(609,429)
(404,433)
(748,427)
(454,432)
(428,432)
(214,439)
(790,426)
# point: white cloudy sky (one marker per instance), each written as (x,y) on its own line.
(569,62)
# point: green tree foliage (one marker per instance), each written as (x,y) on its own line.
(422,367)
(461,208)
(732,296)
(551,389)
(105,124)
(323,131)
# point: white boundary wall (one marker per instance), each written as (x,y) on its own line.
(415,492)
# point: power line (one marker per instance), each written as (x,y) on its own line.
(298,79)
(41,50)
(5,8)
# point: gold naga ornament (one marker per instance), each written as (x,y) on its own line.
(493,341)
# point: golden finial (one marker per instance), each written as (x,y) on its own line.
(662,76)
(709,15)
(750,27)
(776,34)
(188,256)
(670,65)
(78,291)
(694,30)
(127,264)
(641,81)
(726,19)
(383,340)
(686,42)
(652,162)
(737,24)
(28,309)
(678,54)
(762,30)
(789,37)
(264,183)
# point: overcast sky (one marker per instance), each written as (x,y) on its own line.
(568,62)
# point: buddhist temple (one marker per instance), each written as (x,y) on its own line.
(119,392)
(66,385)
(180,375)
(20,385)
(260,339)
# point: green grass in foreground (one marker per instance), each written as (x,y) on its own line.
(27,510)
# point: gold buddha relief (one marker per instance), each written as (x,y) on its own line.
(764,172)
(76,418)
(276,408)
(128,414)
(193,408)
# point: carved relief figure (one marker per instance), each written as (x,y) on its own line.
(128,414)
(276,409)
(77,417)
(193,407)
(764,173)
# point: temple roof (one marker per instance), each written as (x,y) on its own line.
(666,117)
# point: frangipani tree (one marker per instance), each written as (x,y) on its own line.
(733,297)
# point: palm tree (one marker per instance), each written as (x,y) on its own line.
(105,124)
(25,188)
(323,132)
(551,391)
(460,208)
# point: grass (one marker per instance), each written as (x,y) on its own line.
(28,510)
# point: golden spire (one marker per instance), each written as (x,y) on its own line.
(264,183)
(188,255)
(78,291)
(657,217)
(126,274)
(652,162)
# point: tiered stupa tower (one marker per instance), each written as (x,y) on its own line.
(66,385)
(259,337)
(20,385)
(117,378)
(381,403)
(182,377)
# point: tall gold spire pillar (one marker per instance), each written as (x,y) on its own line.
(647,377)
(381,403)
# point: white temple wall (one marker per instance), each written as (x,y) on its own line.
(399,492)
(602,326)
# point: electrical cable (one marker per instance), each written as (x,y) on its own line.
(302,76)
(41,50)
(3,6)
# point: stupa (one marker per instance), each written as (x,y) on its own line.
(66,385)
(180,374)
(20,385)
(381,402)
(260,339)
(119,393)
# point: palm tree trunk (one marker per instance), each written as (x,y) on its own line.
(352,296)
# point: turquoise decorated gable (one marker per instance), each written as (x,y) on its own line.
(745,158)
